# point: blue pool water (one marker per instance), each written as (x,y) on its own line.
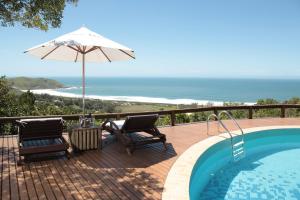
(270,170)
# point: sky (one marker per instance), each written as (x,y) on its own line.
(172,38)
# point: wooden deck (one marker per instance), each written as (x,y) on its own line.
(104,174)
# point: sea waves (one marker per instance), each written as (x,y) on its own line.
(139,99)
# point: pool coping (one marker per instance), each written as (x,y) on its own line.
(178,179)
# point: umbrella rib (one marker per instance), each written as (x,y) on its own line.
(50,52)
(104,54)
(78,50)
(76,56)
(127,53)
(91,49)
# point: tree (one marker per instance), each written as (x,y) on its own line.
(267,112)
(33,13)
(8,105)
(26,103)
(182,118)
(267,101)
(7,99)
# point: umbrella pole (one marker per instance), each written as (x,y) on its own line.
(83,84)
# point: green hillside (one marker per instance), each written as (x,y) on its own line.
(25,83)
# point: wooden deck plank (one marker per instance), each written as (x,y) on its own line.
(67,190)
(111,178)
(12,170)
(53,185)
(113,174)
(39,169)
(95,181)
(75,193)
(109,173)
(20,176)
(85,181)
(130,174)
(79,183)
(109,182)
(29,183)
(36,182)
(5,170)
(1,163)
(139,177)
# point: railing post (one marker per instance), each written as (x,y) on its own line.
(118,117)
(173,118)
(282,112)
(250,113)
(216,113)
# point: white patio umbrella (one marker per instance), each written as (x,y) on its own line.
(80,46)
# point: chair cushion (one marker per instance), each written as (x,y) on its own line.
(41,119)
(139,123)
(43,146)
(119,123)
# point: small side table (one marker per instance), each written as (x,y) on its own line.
(87,138)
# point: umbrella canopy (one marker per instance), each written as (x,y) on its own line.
(80,46)
(68,47)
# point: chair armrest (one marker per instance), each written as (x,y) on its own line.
(65,142)
(112,124)
(19,123)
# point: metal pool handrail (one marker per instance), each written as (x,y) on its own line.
(219,123)
(231,117)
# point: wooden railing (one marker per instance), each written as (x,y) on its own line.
(171,113)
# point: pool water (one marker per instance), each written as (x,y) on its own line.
(269,175)
(270,170)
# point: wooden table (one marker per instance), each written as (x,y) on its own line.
(87,138)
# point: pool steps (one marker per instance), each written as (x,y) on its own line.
(237,147)
(238,151)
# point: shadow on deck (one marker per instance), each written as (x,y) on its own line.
(97,174)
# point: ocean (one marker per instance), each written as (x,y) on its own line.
(179,90)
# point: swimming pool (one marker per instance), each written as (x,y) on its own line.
(270,170)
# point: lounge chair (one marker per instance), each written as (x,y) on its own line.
(40,136)
(124,130)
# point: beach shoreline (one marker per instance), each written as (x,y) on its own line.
(135,99)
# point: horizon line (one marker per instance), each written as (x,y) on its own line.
(185,77)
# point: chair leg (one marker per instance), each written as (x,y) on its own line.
(20,161)
(68,154)
(165,146)
(129,151)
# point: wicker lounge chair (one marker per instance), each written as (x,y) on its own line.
(43,135)
(124,129)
